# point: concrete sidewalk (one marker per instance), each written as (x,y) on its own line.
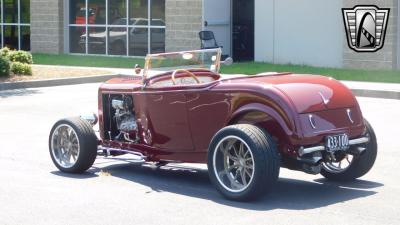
(374,89)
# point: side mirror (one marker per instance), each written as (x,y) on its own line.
(227,62)
(137,69)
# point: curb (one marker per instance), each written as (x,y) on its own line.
(56,82)
(388,94)
(376,93)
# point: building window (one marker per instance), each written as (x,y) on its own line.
(15,24)
(117,27)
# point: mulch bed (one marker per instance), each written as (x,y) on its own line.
(49,72)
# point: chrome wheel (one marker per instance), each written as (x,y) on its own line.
(65,146)
(338,166)
(233,164)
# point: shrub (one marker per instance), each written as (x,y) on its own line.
(20,56)
(4,52)
(21,68)
(4,67)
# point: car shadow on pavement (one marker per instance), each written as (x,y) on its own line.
(289,194)
(74,176)
(18,92)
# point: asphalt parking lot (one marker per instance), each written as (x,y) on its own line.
(32,191)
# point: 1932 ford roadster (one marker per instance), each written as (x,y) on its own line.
(244,128)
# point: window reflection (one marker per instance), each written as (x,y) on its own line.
(11,37)
(15,23)
(9,9)
(138,9)
(77,39)
(97,40)
(157,40)
(77,12)
(157,11)
(26,38)
(97,11)
(138,41)
(117,11)
(127,31)
(25,11)
(117,39)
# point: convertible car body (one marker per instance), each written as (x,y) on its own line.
(244,127)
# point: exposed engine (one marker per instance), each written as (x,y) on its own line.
(124,118)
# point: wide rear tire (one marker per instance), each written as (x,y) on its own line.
(360,165)
(73,145)
(243,162)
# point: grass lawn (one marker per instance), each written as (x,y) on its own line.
(237,68)
(91,61)
(388,76)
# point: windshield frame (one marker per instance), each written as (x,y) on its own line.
(147,65)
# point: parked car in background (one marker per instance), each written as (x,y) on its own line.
(137,36)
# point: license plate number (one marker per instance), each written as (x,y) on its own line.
(337,142)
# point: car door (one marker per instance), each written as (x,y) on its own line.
(163,119)
(208,111)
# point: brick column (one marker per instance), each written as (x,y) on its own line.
(385,58)
(183,23)
(47,26)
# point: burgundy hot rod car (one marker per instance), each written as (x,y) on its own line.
(245,128)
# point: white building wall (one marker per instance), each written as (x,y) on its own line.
(264,30)
(309,32)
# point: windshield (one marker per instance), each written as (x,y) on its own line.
(198,59)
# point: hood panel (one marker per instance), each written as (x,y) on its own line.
(309,93)
(124,84)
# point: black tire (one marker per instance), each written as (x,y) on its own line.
(360,164)
(87,145)
(265,156)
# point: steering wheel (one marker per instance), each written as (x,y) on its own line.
(187,72)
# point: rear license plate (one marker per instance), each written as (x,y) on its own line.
(337,142)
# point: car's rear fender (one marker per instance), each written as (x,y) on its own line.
(279,125)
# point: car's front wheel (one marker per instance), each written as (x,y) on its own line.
(243,162)
(73,145)
(351,167)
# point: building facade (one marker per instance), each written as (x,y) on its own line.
(309,32)
(314,34)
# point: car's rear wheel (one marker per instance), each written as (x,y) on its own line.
(351,167)
(243,162)
(73,145)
